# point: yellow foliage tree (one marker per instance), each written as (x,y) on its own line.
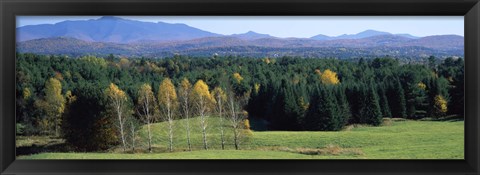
(94,60)
(237,77)
(55,103)
(440,106)
(220,98)
(329,77)
(203,103)
(147,105)
(266,60)
(167,100)
(26,93)
(184,94)
(256,87)
(422,85)
(124,63)
(118,100)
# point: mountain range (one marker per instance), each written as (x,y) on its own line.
(136,38)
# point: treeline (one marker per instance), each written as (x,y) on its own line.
(277,94)
(360,92)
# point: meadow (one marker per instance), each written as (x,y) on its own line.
(394,139)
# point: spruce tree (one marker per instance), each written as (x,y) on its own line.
(343,107)
(322,114)
(396,99)
(371,113)
(384,102)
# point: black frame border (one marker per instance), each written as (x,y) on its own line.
(470,9)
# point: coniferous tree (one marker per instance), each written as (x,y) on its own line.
(371,112)
(396,99)
(457,104)
(384,102)
(355,96)
(322,114)
(344,111)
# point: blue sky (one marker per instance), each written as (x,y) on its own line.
(293,26)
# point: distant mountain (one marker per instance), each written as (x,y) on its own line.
(112,29)
(250,35)
(322,37)
(393,45)
(406,35)
(364,34)
(113,35)
(72,46)
(443,42)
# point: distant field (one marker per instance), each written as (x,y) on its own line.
(396,139)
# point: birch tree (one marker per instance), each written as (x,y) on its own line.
(184,93)
(118,100)
(236,116)
(220,98)
(203,104)
(133,128)
(54,103)
(167,100)
(146,107)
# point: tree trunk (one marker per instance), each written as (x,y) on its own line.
(149,138)
(133,138)
(204,132)
(235,138)
(170,134)
(188,134)
(222,135)
(121,128)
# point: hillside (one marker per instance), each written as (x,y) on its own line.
(124,37)
(376,46)
(112,29)
(391,140)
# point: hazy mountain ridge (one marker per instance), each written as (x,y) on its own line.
(135,38)
(367,47)
(112,29)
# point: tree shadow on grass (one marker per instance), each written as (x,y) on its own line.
(35,148)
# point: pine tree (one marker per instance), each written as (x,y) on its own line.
(371,112)
(396,99)
(322,114)
(384,102)
(344,111)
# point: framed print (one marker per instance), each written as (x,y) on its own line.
(267,87)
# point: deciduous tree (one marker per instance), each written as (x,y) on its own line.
(168,103)
(329,77)
(146,108)
(203,105)
(54,104)
(118,100)
(184,93)
(220,98)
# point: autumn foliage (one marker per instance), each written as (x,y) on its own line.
(329,77)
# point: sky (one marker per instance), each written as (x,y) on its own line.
(293,26)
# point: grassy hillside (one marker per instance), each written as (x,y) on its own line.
(396,139)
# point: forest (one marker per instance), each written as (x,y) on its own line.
(97,103)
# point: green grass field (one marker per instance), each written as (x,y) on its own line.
(395,139)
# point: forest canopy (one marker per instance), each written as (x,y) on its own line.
(59,95)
